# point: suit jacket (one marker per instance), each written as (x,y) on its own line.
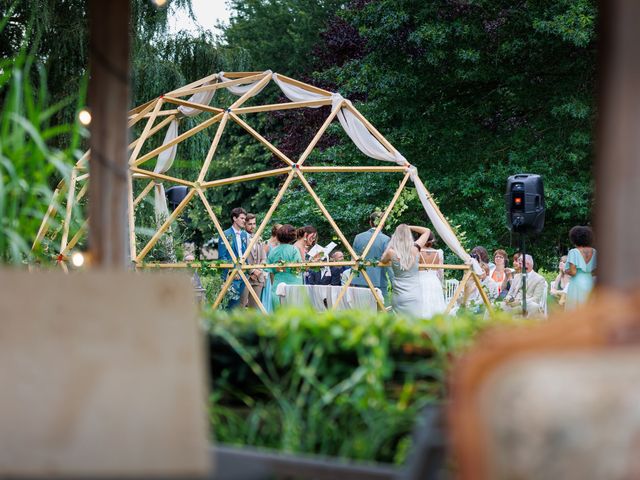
(377,274)
(535,289)
(223,253)
(257,255)
(334,278)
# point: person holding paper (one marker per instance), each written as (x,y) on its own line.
(328,275)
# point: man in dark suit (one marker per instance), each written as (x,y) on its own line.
(238,239)
(378,275)
(328,275)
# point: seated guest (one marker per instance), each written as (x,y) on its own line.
(328,275)
(482,255)
(561,283)
(535,290)
(500,273)
(284,252)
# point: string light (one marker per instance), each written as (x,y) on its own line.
(84,116)
(77,259)
(159,3)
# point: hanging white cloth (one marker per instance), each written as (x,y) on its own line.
(240,90)
(298,94)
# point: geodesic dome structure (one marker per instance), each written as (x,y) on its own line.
(164,113)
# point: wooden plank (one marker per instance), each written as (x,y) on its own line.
(245,178)
(267,217)
(353,169)
(319,134)
(161,176)
(145,132)
(326,213)
(216,86)
(483,294)
(225,287)
(252,292)
(178,139)
(165,225)
(163,113)
(385,215)
(139,108)
(139,116)
(458,291)
(214,146)
(70,201)
(197,106)
(262,140)
(252,91)
(197,83)
(304,86)
(282,106)
(76,238)
(52,209)
(143,194)
(153,130)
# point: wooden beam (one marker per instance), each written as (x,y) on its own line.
(197,83)
(145,132)
(354,169)
(373,290)
(247,177)
(197,106)
(165,225)
(163,113)
(252,292)
(215,86)
(458,291)
(70,201)
(50,213)
(481,291)
(225,287)
(319,133)
(282,106)
(139,116)
(143,194)
(153,130)
(178,139)
(385,215)
(217,224)
(267,217)
(252,91)
(161,176)
(76,238)
(304,86)
(326,213)
(108,99)
(214,146)
(262,140)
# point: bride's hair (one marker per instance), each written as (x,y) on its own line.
(402,244)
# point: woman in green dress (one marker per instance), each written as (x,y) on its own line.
(581,266)
(285,252)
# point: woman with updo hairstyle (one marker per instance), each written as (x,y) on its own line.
(306,238)
(285,252)
(580,266)
(273,242)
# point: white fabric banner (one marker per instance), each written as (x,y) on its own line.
(160,203)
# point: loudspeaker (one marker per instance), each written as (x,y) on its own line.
(524,201)
(175,195)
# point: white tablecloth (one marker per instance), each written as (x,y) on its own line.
(323,297)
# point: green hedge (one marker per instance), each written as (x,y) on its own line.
(345,383)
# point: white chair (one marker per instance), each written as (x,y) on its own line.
(450,286)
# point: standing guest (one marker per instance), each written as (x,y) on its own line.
(378,275)
(284,252)
(561,282)
(536,287)
(256,256)
(237,238)
(431,280)
(500,274)
(305,239)
(273,241)
(404,253)
(581,266)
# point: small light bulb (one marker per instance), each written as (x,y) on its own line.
(77,259)
(84,116)
(158,3)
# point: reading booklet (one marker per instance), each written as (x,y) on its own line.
(326,251)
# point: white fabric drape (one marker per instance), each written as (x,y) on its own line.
(166,158)
(297,94)
(323,297)
(240,90)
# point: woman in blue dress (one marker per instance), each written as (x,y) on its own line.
(581,266)
(285,252)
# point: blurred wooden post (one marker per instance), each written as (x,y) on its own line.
(618,145)
(108,101)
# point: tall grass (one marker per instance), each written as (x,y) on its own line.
(32,159)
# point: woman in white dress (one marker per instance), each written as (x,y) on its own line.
(431,280)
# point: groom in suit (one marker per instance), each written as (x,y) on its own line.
(378,275)
(238,239)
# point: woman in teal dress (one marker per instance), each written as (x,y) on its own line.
(581,266)
(285,252)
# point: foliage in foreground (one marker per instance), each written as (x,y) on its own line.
(345,383)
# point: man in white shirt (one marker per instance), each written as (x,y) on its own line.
(238,239)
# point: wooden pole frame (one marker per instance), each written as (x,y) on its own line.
(152,110)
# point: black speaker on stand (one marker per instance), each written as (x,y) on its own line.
(524,201)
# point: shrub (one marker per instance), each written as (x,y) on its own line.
(343,383)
